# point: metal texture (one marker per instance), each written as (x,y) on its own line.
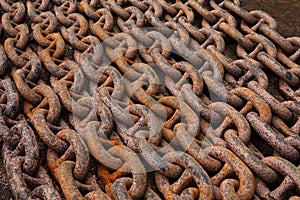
(112,99)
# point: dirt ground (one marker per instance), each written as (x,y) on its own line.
(286,12)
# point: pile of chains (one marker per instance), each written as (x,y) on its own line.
(150,99)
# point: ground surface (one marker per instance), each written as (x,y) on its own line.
(286,13)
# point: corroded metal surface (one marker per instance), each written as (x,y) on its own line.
(149,99)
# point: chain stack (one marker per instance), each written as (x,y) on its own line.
(151,99)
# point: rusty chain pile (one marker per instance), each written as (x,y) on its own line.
(150,99)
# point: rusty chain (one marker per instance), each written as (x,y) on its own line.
(106,99)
